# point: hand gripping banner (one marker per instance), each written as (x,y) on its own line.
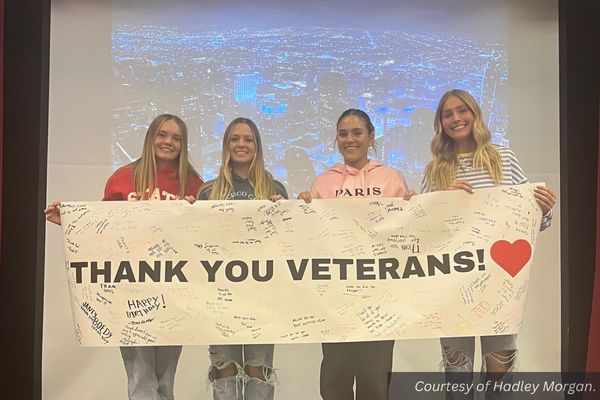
(230,272)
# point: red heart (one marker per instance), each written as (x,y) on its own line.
(511,257)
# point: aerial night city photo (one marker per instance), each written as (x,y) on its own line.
(294,82)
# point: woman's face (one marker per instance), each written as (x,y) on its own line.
(457,121)
(242,147)
(354,139)
(167,143)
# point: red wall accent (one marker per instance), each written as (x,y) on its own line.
(593,356)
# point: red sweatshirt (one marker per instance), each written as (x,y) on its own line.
(120,185)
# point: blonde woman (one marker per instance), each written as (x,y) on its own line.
(242,177)
(464,159)
(163,172)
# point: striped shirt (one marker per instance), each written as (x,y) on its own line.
(512,174)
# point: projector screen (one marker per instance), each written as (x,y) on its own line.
(293,68)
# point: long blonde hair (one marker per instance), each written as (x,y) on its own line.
(441,172)
(259,179)
(144,168)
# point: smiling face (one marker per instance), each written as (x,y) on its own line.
(242,146)
(457,121)
(167,144)
(354,139)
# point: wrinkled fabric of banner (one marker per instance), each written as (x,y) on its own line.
(224,272)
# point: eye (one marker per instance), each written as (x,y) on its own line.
(177,138)
(161,134)
(342,134)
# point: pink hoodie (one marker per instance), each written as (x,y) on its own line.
(373,180)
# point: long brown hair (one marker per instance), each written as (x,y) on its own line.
(441,172)
(144,168)
(258,177)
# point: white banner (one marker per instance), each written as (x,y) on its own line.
(231,272)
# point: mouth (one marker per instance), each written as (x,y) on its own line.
(168,149)
(457,127)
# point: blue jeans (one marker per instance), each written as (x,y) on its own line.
(242,386)
(458,354)
(150,371)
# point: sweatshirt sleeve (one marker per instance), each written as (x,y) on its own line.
(402,185)
(193,186)
(204,194)
(113,189)
(314,189)
(280,189)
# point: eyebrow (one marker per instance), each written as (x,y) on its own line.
(452,109)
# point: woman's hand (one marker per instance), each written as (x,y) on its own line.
(276,197)
(53,212)
(305,196)
(190,199)
(461,185)
(545,198)
(408,194)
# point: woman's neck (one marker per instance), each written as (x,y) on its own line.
(467,146)
(160,164)
(241,170)
(360,164)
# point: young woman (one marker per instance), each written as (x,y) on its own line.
(358,177)
(163,172)
(464,159)
(242,177)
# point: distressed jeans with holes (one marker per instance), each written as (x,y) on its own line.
(242,386)
(150,371)
(461,370)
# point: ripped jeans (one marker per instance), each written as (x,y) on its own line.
(150,371)
(458,354)
(242,386)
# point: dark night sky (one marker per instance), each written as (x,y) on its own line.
(477,17)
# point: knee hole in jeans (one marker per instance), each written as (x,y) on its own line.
(455,359)
(498,363)
(255,372)
(223,367)
(261,372)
